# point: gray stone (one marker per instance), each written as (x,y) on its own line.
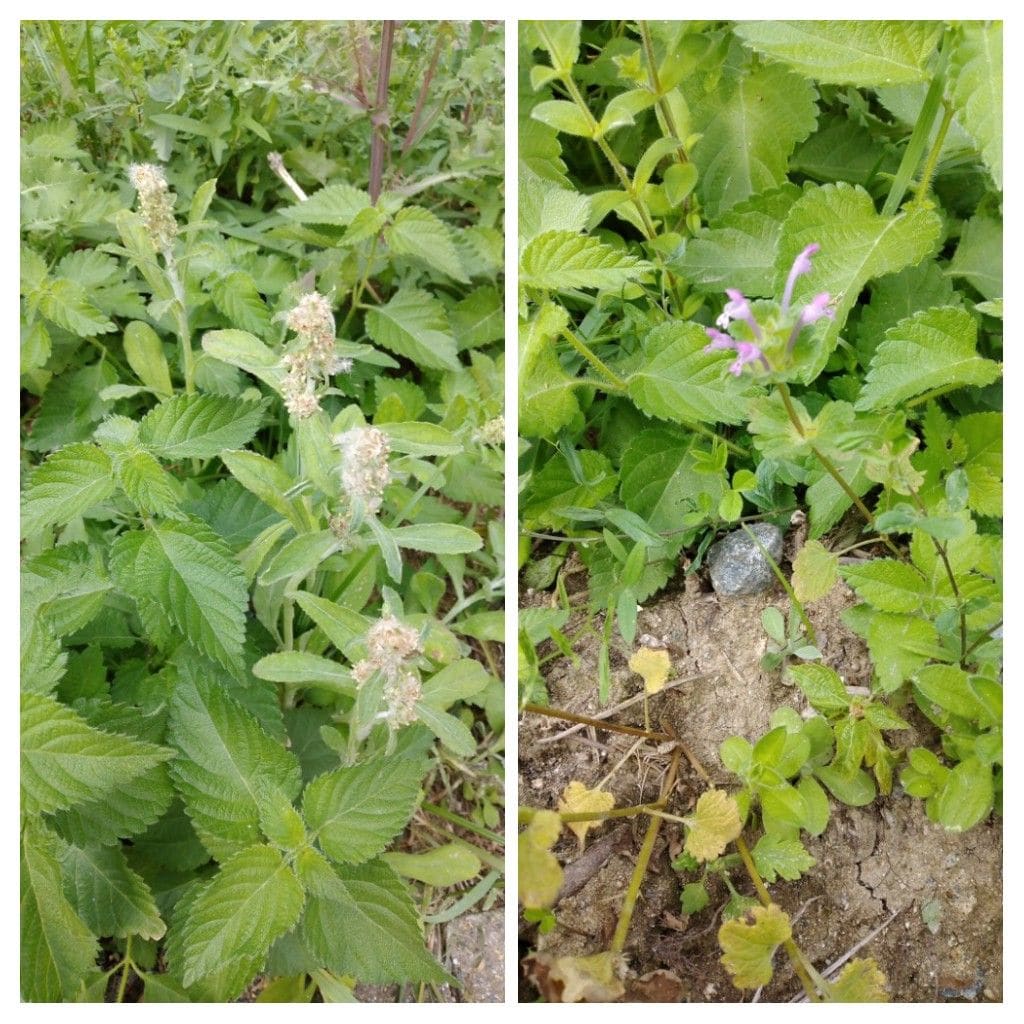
(737,565)
(476,949)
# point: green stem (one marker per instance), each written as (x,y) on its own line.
(652,74)
(126,966)
(361,286)
(643,859)
(919,137)
(924,186)
(584,350)
(795,956)
(829,466)
(987,635)
(181,321)
(781,577)
(470,826)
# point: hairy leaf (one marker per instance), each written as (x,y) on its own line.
(199,426)
(67,484)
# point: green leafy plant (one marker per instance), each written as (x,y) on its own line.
(262,572)
(761,271)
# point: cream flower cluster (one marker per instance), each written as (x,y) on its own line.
(364,465)
(156,204)
(390,645)
(314,359)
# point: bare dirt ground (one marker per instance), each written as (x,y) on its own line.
(877,866)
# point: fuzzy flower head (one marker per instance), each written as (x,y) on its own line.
(312,318)
(492,432)
(364,465)
(391,651)
(156,204)
(312,359)
(401,692)
(390,642)
(765,333)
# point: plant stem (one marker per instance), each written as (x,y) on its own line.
(126,965)
(469,826)
(188,366)
(781,577)
(584,350)
(795,956)
(927,174)
(987,635)
(412,136)
(379,117)
(919,137)
(361,286)
(569,716)
(643,859)
(652,74)
(829,466)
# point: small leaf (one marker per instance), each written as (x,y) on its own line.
(577,799)
(563,116)
(199,426)
(145,354)
(413,324)
(418,233)
(715,823)
(442,866)
(777,857)
(654,666)
(437,538)
(540,874)
(559,260)
(578,979)
(750,944)
(860,981)
(67,484)
(815,571)
(822,687)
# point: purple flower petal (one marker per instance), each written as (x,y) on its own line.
(739,309)
(801,265)
(819,306)
(748,353)
(718,340)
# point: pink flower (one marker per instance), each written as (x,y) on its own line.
(801,265)
(821,305)
(747,354)
(718,340)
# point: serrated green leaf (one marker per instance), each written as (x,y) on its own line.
(677,380)
(815,571)
(979,256)
(966,797)
(360,921)
(563,116)
(65,761)
(109,897)
(543,206)
(335,205)
(58,952)
(867,53)
(777,857)
(66,485)
(184,577)
(413,324)
(749,127)
(857,244)
(547,401)
(252,900)
(888,585)
(418,233)
(927,350)
(237,298)
(555,487)
(738,251)
(560,260)
(977,89)
(225,762)
(822,687)
(748,946)
(66,303)
(199,426)
(860,981)
(247,352)
(478,319)
(341,625)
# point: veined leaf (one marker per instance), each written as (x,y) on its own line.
(199,426)
(546,391)
(110,897)
(252,900)
(58,952)
(749,130)
(979,257)
(776,857)
(749,947)
(678,380)
(413,324)
(930,349)
(335,205)
(145,354)
(184,577)
(341,625)
(418,233)
(814,571)
(977,71)
(560,260)
(237,298)
(716,823)
(65,761)
(300,668)
(867,53)
(345,811)
(857,244)
(225,762)
(67,484)
(888,585)
(360,921)
(437,538)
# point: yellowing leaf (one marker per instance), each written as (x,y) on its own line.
(750,946)
(654,666)
(540,874)
(861,981)
(577,799)
(716,823)
(577,979)
(815,570)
